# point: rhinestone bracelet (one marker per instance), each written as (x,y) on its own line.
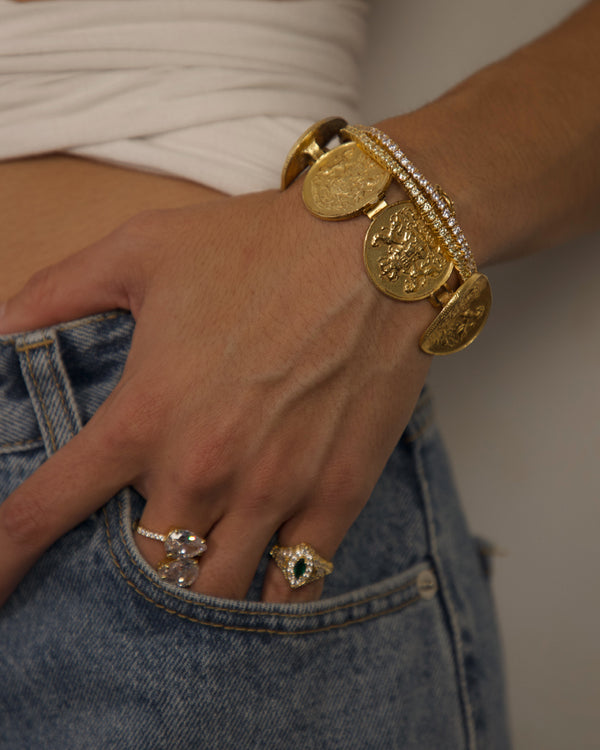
(451,233)
(428,201)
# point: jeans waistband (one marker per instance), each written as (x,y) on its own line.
(51,379)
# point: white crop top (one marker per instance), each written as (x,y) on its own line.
(212,90)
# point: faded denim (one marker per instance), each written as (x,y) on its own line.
(97,652)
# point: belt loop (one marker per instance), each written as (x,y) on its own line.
(49,388)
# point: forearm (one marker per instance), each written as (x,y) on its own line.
(517,145)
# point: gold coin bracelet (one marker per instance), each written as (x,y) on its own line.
(411,247)
(431,202)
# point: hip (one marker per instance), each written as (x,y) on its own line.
(401,651)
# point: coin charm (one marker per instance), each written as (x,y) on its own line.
(309,147)
(461,318)
(343,182)
(403,256)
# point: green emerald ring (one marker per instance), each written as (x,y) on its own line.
(300,564)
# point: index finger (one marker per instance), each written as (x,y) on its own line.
(63,492)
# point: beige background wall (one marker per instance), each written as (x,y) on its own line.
(521,409)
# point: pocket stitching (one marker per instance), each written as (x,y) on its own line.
(288,616)
(22,445)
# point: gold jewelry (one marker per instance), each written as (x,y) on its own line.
(181,548)
(343,182)
(402,255)
(300,564)
(309,147)
(431,202)
(411,247)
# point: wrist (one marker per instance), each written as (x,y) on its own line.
(412,247)
(439,147)
(516,147)
(339,245)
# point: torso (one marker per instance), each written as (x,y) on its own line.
(54,205)
(59,94)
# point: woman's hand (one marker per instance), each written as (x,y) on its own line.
(266,386)
(268,380)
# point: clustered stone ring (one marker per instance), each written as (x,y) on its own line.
(300,564)
(182,548)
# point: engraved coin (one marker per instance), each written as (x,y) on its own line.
(308,147)
(343,182)
(403,256)
(461,319)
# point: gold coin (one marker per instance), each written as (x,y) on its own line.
(403,256)
(308,147)
(343,182)
(461,318)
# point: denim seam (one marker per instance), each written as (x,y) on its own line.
(230,610)
(41,400)
(447,599)
(72,324)
(289,616)
(35,345)
(68,326)
(68,415)
(420,432)
(22,444)
(423,417)
(269,631)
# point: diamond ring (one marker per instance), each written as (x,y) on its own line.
(182,547)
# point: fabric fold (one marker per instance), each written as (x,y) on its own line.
(213,91)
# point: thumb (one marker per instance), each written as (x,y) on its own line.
(87,282)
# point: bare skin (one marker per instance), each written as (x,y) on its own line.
(54,205)
(317,365)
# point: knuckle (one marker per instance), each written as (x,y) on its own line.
(276,483)
(265,504)
(135,239)
(146,230)
(208,463)
(41,288)
(261,488)
(264,501)
(143,224)
(131,423)
(192,475)
(343,483)
(215,462)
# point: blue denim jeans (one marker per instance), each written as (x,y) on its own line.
(98,652)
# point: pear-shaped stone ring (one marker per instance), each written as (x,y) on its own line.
(300,564)
(182,548)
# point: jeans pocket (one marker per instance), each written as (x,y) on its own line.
(397,591)
(370,667)
(98,652)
